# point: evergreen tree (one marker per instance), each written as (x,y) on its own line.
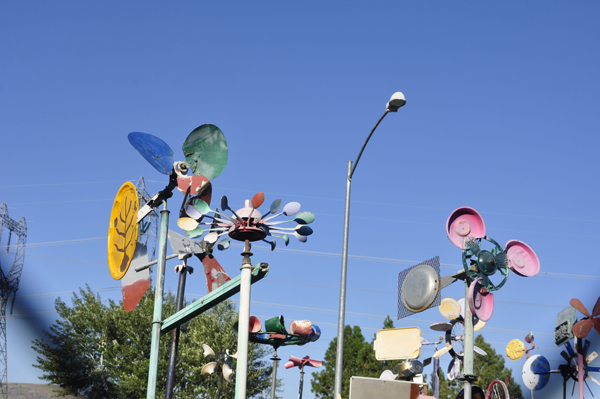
(98,350)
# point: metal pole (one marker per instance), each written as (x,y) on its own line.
(243,322)
(436,378)
(274,380)
(301,381)
(158,301)
(339,354)
(468,345)
(175,332)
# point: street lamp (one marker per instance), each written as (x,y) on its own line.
(393,105)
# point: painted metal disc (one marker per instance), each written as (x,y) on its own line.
(419,288)
(453,369)
(205,150)
(442,326)
(534,365)
(479,325)
(450,308)
(515,349)
(481,305)
(462,223)
(522,259)
(154,150)
(122,231)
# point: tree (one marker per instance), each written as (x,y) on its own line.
(487,369)
(98,350)
(359,360)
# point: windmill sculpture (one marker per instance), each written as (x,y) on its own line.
(536,371)
(300,363)
(206,152)
(221,365)
(275,334)
(454,334)
(420,285)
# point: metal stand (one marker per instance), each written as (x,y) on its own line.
(468,376)
(183,270)
(301,381)
(158,301)
(244,321)
(275,359)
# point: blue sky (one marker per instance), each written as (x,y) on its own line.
(501,115)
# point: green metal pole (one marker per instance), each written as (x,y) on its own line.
(158,301)
(468,346)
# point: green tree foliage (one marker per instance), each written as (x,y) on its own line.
(97,350)
(359,360)
(486,368)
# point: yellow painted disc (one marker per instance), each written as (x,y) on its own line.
(480,324)
(123,230)
(449,308)
(515,349)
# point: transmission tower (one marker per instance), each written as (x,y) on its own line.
(148,232)
(9,284)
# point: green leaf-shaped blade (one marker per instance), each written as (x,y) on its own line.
(275,206)
(205,151)
(197,232)
(201,206)
(305,218)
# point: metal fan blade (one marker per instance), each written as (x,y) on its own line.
(442,351)
(596,310)
(427,362)
(291,208)
(258,200)
(565,356)
(593,379)
(569,349)
(442,326)
(472,245)
(582,328)
(305,218)
(595,369)
(597,325)
(576,303)
(304,230)
(208,351)
(501,259)
(479,350)
(453,369)
(209,368)
(591,357)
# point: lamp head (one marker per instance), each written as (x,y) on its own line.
(396,102)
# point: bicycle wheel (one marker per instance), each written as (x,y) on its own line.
(497,390)
(455,337)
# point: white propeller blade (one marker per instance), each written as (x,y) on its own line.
(479,350)
(208,351)
(442,351)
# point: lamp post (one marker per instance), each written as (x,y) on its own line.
(393,105)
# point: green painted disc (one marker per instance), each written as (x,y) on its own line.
(205,151)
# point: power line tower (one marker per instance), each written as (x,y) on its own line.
(9,284)
(149,226)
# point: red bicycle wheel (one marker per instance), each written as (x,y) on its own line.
(497,390)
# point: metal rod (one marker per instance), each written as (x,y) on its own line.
(147,265)
(243,322)
(339,355)
(175,332)
(468,345)
(301,381)
(436,378)
(274,379)
(366,141)
(158,302)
